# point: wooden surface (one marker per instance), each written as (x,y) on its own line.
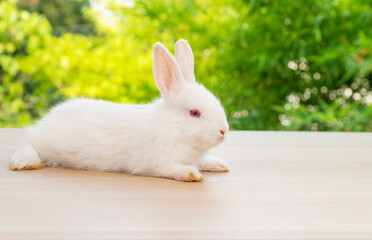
(282,185)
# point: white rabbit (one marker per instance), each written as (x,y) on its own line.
(167,138)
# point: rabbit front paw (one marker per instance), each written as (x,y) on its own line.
(186,174)
(213,164)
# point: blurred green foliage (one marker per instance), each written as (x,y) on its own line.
(288,65)
(64,16)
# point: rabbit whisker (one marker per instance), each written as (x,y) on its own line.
(221,87)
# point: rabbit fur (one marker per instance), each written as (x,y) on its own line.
(159,139)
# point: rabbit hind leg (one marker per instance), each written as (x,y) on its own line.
(25,158)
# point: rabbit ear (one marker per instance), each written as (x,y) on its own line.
(185,59)
(167,73)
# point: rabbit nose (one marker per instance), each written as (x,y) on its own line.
(222,132)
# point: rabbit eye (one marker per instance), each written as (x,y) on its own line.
(195,113)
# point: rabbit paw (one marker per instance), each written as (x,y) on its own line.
(25,158)
(188,174)
(213,164)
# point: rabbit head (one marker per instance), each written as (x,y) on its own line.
(197,112)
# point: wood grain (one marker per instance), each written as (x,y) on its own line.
(281,185)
